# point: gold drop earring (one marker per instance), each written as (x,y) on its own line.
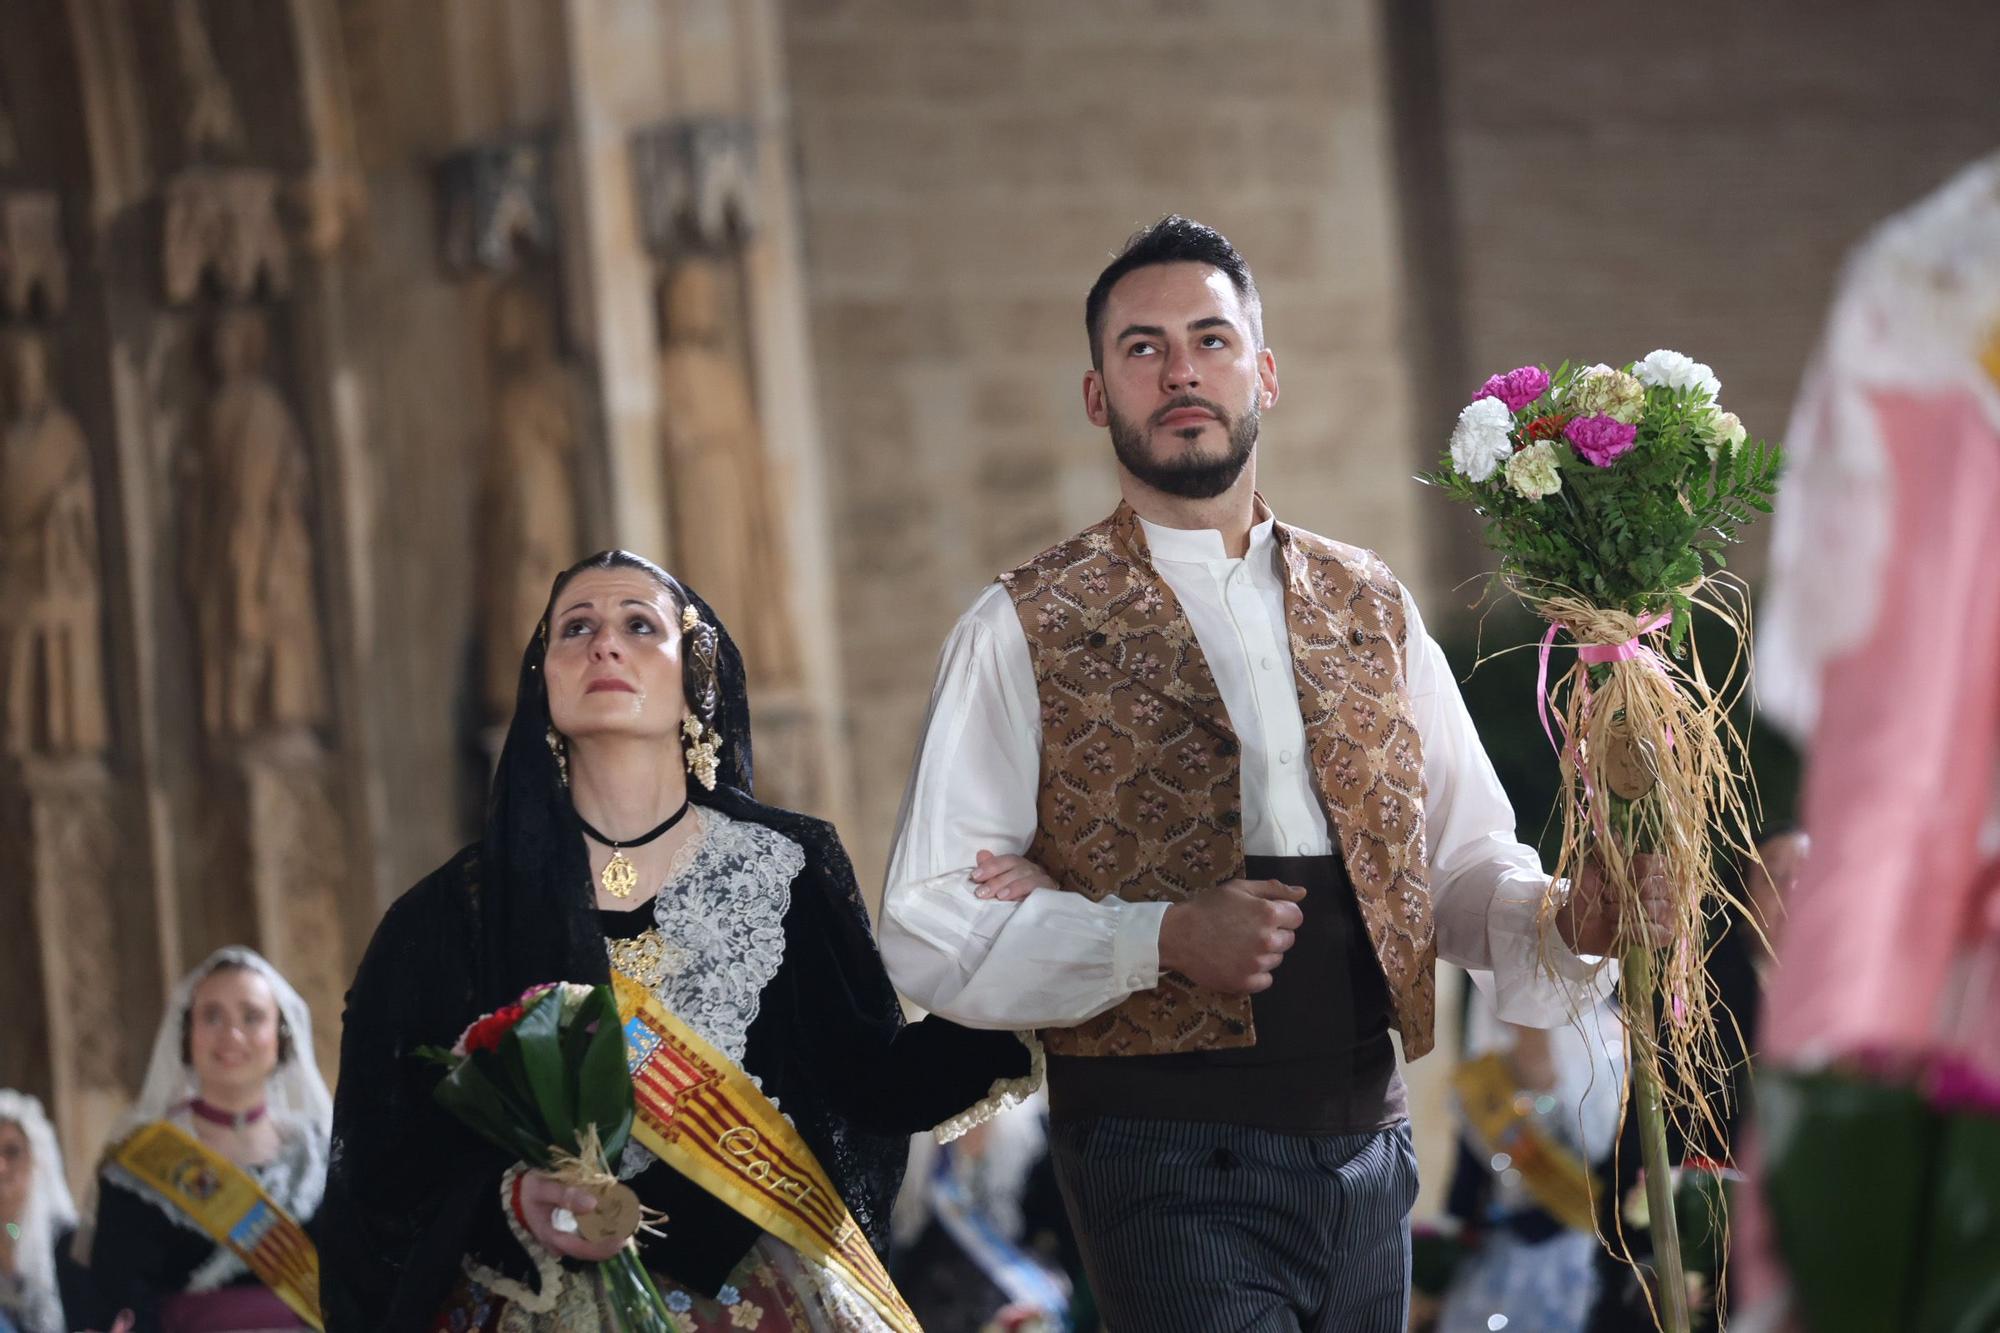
(560,749)
(700,753)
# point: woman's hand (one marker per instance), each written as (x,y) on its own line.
(1008,878)
(541,1194)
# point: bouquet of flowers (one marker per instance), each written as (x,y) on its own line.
(1610,494)
(546,1079)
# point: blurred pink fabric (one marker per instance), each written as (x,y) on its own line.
(1880,647)
(1898,889)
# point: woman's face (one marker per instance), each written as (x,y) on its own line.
(17,1167)
(614,658)
(233,1031)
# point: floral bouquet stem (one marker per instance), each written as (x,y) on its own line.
(1610,495)
(1647,1106)
(635,1303)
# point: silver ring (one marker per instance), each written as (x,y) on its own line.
(563,1220)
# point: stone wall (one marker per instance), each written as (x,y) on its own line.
(1685,177)
(966,170)
(337,328)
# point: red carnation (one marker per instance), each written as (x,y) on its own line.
(1547,427)
(485,1034)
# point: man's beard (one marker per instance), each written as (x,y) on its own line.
(1191,475)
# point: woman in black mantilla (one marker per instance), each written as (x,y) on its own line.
(745,921)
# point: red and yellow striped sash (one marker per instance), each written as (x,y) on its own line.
(697,1111)
(230,1207)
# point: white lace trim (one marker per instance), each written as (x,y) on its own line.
(295,1179)
(845,1309)
(724,902)
(547,1266)
(1004,1095)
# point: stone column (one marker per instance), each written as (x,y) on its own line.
(79,865)
(299,867)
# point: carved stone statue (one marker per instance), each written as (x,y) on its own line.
(727,540)
(249,556)
(50,648)
(209,118)
(527,522)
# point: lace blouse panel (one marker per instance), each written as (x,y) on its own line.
(720,918)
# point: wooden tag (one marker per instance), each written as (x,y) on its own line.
(616,1216)
(1631,763)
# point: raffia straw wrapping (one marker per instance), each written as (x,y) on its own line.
(1700,806)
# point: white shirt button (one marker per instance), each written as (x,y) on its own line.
(1284,756)
(1305,849)
(1270,664)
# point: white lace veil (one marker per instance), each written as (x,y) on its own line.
(50,1212)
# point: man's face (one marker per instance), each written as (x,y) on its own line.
(1184,383)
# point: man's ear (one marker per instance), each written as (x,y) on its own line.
(1095,406)
(1267,376)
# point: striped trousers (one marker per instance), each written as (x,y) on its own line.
(1192,1227)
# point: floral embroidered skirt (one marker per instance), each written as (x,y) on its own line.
(774,1290)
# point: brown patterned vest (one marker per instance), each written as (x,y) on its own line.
(1140,791)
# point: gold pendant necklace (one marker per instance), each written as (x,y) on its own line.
(619,877)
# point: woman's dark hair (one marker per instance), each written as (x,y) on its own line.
(1172,240)
(700,649)
(187,1017)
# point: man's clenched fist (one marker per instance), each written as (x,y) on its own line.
(1232,936)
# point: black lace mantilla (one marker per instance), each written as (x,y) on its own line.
(410,1193)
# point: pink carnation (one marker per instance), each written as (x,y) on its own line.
(1600,440)
(1957,1086)
(1517,388)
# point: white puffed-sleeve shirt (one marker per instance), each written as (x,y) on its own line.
(1054,959)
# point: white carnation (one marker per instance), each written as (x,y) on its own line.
(1726,432)
(1677,370)
(1479,443)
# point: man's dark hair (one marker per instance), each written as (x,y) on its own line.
(1172,240)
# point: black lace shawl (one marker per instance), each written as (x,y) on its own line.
(410,1192)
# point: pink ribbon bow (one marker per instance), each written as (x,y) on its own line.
(1591,654)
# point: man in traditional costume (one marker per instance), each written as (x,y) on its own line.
(1263,813)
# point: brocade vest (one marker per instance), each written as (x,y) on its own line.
(1140,790)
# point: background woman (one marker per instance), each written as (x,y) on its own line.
(232,1071)
(38,1283)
